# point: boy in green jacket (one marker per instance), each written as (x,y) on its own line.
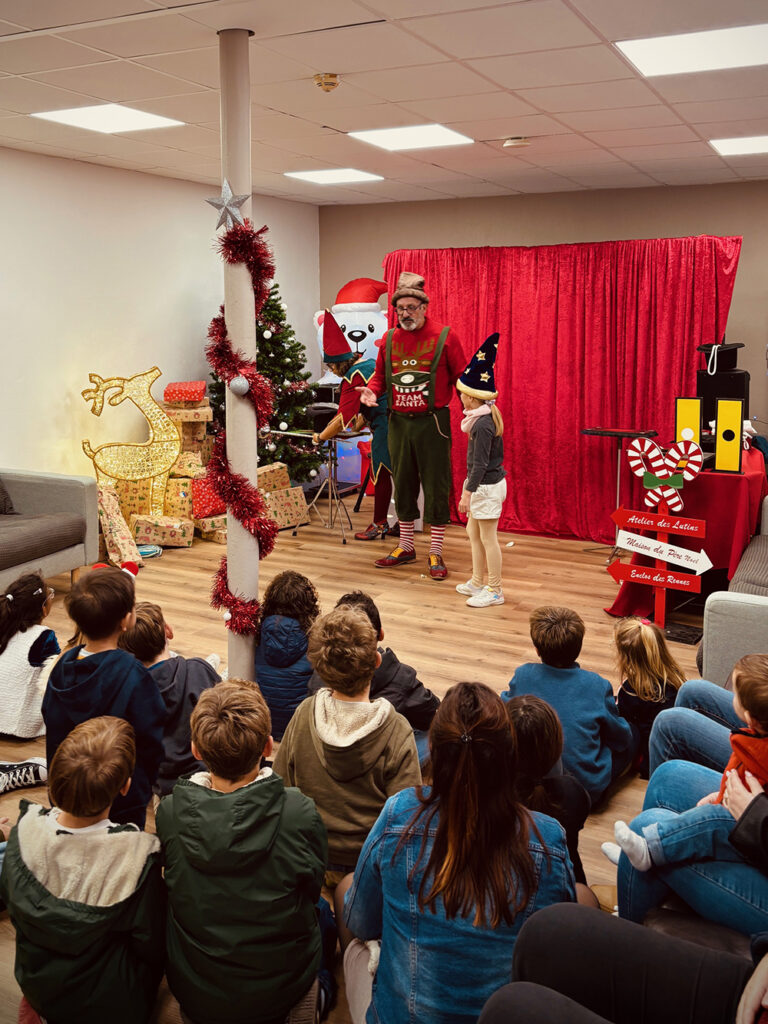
(244,861)
(86,896)
(346,751)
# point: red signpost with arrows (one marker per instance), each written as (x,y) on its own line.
(663,480)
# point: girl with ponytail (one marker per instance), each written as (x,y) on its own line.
(27,650)
(448,875)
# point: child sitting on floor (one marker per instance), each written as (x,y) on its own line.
(180,682)
(598,743)
(703,831)
(392,679)
(289,608)
(344,750)
(244,862)
(25,647)
(96,678)
(651,678)
(86,896)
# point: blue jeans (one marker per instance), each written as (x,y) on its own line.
(731,893)
(698,834)
(697,728)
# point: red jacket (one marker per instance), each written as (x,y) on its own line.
(750,754)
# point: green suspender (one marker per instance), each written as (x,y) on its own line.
(388,365)
(433,368)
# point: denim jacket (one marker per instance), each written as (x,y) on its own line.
(431,968)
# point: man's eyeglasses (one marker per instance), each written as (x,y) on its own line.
(408,309)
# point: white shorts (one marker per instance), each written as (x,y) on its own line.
(487,500)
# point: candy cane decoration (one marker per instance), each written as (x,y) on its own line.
(684,457)
(638,450)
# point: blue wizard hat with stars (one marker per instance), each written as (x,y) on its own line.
(478,380)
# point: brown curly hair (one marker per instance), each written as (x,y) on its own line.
(290,594)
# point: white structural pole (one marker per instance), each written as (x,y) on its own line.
(242,548)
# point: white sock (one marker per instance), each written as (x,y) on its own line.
(635,847)
(612,851)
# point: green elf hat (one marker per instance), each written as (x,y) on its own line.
(335,345)
(477,380)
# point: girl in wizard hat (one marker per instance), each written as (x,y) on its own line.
(485,488)
(355,371)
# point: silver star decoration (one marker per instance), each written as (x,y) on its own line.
(228,206)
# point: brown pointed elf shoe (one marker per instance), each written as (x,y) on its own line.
(437,569)
(396,557)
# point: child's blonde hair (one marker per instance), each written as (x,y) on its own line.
(645,660)
(497,420)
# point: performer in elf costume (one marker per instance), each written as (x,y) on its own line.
(355,372)
(417,368)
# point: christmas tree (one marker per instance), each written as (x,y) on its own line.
(281,359)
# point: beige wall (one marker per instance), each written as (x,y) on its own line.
(355,239)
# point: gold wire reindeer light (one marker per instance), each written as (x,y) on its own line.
(151,459)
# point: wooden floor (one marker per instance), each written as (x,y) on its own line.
(426,623)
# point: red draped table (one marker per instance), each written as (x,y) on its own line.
(730,504)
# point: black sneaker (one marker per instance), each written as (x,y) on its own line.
(19,774)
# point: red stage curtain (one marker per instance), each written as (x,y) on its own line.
(599,334)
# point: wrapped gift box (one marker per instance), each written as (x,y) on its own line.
(189,464)
(206,449)
(185,391)
(288,507)
(133,496)
(211,523)
(178,498)
(217,536)
(167,531)
(205,501)
(103,556)
(273,477)
(192,436)
(198,414)
(121,547)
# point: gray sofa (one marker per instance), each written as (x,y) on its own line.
(56,528)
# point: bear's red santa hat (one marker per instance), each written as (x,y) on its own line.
(361,294)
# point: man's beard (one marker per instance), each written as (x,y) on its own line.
(409,324)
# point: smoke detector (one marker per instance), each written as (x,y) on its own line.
(515,142)
(327,81)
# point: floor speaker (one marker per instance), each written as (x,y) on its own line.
(723,384)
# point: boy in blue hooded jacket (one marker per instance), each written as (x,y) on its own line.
(95,678)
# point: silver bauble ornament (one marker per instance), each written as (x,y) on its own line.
(313,473)
(239,386)
(283,425)
(267,335)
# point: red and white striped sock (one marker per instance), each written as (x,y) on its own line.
(406,536)
(436,537)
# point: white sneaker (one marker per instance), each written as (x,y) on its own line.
(468,589)
(485,598)
(214,660)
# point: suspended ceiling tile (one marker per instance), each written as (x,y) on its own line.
(428,82)
(40,14)
(724,110)
(565,143)
(186,136)
(278,19)
(269,158)
(512,28)
(193,108)
(670,151)
(644,136)
(733,129)
(200,66)
(143,36)
(616,120)
(580,158)
(464,108)
(44,53)
(284,126)
(359,48)
(702,176)
(730,83)
(337,148)
(557,67)
(651,164)
(378,115)
(627,19)
(304,99)
(503,127)
(8,29)
(410,8)
(118,82)
(627,92)
(398,191)
(27,96)
(474,189)
(623,179)
(536,181)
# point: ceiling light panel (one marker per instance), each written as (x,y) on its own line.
(742,47)
(740,147)
(420,136)
(108,118)
(334,176)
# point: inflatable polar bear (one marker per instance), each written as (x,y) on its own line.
(358,313)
